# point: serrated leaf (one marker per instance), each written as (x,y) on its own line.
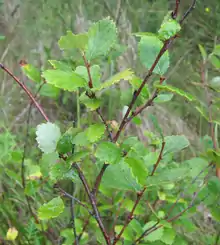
(48,135)
(203,52)
(155,235)
(91,103)
(65,80)
(102,36)
(175,143)
(95,132)
(72,41)
(163,97)
(138,169)
(125,75)
(32,73)
(52,209)
(81,139)
(168,236)
(64,144)
(176,91)
(108,152)
(149,48)
(95,72)
(169,29)
(119,177)
(60,65)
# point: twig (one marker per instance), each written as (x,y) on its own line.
(88,70)
(98,179)
(105,123)
(175,12)
(76,200)
(93,203)
(159,158)
(189,10)
(40,109)
(130,216)
(83,230)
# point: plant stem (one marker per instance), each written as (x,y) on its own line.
(40,109)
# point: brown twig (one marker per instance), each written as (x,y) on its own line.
(159,158)
(130,216)
(189,10)
(87,65)
(40,109)
(92,200)
(176,10)
(83,230)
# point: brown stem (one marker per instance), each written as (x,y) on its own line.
(159,158)
(175,12)
(93,203)
(189,10)
(88,70)
(130,216)
(40,109)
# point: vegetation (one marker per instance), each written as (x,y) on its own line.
(107,162)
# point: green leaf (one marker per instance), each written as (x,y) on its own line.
(138,169)
(2,37)
(168,236)
(155,235)
(214,185)
(64,144)
(59,171)
(95,132)
(108,152)
(215,61)
(95,72)
(81,139)
(149,48)
(49,90)
(60,65)
(78,156)
(176,91)
(141,34)
(70,81)
(31,188)
(203,52)
(91,103)
(72,41)
(169,29)
(102,36)
(125,75)
(32,73)
(119,176)
(215,84)
(52,209)
(163,97)
(48,135)
(217,50)
(175,143)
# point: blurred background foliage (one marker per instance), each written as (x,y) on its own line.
(29,31)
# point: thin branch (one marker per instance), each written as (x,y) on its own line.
(87,65)
(189,10)
(105,123)
(83,230)
(159,158)
(176,10)
(98,179)
(40,109)
(76,200)
(130,216)
(93,203)
(72,212)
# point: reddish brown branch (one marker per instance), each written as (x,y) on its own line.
(189,10)
(176,10)
(88,70)
(159,158)
(130,216)
(92,200)
(40,109)
(98,179)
